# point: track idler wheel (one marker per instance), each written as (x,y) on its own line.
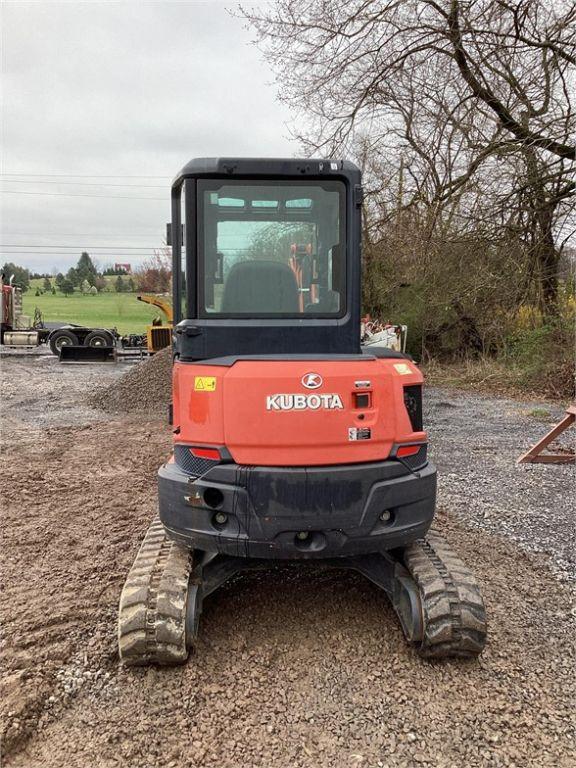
(154,605)
(453,613)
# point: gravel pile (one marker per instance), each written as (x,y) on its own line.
(145,388)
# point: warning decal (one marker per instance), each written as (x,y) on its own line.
(204,383)
(403,369)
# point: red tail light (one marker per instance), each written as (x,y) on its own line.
(407,450)
(206,453)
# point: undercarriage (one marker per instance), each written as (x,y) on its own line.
(434,595)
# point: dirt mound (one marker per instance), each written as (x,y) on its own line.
(145,388)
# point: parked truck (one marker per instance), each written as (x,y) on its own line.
(20,330)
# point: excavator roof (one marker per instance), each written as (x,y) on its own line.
(267,166)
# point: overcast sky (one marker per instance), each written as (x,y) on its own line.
(104,91)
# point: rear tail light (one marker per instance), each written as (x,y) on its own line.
(196,460)
(206,453)
(413,405)
(413,456)
(407,450)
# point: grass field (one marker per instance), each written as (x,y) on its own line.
(106,310)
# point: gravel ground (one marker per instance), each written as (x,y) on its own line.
(295,667)
(475,442)
(38,390)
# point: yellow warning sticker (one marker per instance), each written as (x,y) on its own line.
(204,383)
(403,369)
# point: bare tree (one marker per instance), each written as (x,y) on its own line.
(340,59)
(468,104)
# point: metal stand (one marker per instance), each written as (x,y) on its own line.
(536,454)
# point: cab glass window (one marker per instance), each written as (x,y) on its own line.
(271,248)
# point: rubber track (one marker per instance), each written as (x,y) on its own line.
(453,609)
(152,613)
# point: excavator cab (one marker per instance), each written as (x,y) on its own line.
(291,441)
(242,284)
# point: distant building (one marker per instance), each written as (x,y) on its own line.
(126,267)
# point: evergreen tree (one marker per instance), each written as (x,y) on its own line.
(86,269)
(67,286)
(73,277)
(47,284)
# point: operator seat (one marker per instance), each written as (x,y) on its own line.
(260,286)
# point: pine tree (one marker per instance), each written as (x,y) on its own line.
(21,275)
(67,287)
(86,269)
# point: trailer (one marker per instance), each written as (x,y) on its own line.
(71,342)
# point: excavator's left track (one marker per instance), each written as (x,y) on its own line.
(153,603)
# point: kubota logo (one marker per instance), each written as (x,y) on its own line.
(312,380)
(301,402)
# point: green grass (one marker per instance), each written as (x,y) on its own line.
(540,413)
(106,310)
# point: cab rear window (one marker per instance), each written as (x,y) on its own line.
(271,248)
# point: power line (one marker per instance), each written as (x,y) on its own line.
(94,247)
(79,194)
(84,183)
(86,175)
(131,233)
(124,254)
(58,256)
(69,258)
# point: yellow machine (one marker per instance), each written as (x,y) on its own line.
(159,334)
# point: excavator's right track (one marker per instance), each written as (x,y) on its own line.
(454,618)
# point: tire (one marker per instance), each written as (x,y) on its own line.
(99,339)
(61,339)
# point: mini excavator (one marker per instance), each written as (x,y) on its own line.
(292,442)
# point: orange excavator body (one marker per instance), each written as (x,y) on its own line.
(264,415)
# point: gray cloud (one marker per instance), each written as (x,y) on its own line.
(121,88)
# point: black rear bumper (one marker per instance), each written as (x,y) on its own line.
(298,512)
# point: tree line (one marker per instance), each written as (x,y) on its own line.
(152,276)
